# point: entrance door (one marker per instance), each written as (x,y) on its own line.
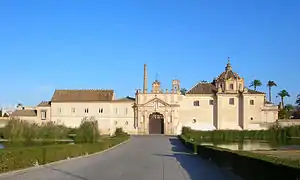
(156,123)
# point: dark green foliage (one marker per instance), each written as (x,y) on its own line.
(120,132)
(87,132)
(283,114)
(246,164)
(12,159)
(275,133)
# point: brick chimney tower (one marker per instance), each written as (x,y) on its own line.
(145,86)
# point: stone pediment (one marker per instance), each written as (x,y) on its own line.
(156,102)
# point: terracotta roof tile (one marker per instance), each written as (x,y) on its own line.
(125,99)
(227,75)
(82,95)
(203,88)
(24,113)
(45,104)
(250,91)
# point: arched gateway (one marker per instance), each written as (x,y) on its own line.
(156,123)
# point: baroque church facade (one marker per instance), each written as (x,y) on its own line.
(224,103)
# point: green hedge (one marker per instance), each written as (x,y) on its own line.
(275,133)
(248,165)
(19,158)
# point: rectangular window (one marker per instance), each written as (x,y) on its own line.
(251,102)
(73,110)
(211,102)
(231,101)
(231,86)
(196,103)
(43,115)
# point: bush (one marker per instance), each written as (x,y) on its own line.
(261,164)
(275,133)
(12,159)
(20,130)
(120,132)
(87,132)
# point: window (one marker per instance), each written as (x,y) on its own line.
(73,110)
(251,118)
(231,101)
(251,102)
(126,123)
(211,102)
(116,110)
(86,110)
(194,120)
(59,110)
(100,110)
(43,115)
(196,103)
(231,86)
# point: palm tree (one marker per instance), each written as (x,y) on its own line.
(298,100)
(270,85)
(283,94)
(183,91)
(255,83)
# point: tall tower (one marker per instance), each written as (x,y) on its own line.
(145,86)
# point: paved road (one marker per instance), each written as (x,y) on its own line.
(142,158)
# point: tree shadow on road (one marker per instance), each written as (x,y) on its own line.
(196,167)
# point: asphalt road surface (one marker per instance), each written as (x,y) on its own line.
(142,158)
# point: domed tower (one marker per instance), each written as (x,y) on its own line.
(229,81)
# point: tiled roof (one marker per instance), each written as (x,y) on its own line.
(203,88)
(24,113)
(250,91)
(125,99)
(45,104)
(82,95)
(227,75)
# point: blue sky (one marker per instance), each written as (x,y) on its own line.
(72,44)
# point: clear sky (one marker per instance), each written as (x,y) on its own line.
(72,44)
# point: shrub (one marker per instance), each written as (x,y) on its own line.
(275,133)
(1,133)
(53,131)
(12,159)
(261,164)
(120,132)
(87,132)
(20,130)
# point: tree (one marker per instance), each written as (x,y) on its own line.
(289,107)
(283,94)
(255,83)
(298,100)
(183,91)
(270,85)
